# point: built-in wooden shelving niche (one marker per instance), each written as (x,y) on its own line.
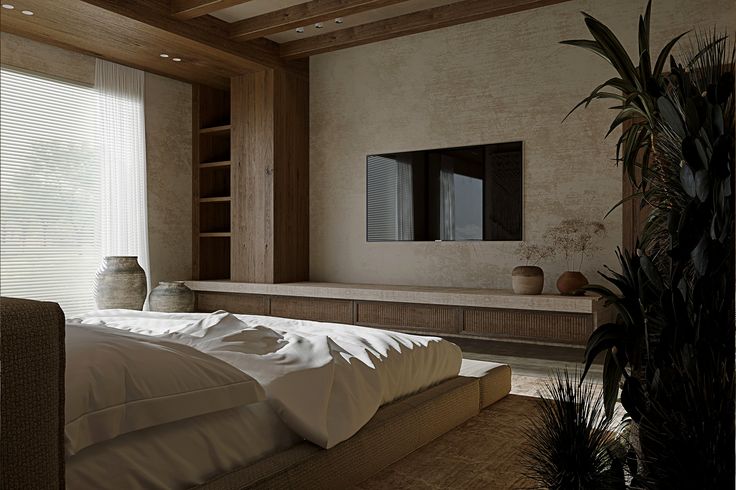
(212,183)
(251,184)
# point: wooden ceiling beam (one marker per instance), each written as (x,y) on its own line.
(301,15)
(404,25)
(189,9)
(208,31)
(136,32)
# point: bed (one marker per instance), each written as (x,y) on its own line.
(342,402)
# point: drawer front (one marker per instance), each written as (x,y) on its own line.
(316,309)
(245,304)
(543,326)
(406,316)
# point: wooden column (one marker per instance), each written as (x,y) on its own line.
(270,177)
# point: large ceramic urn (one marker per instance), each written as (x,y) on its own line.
(171,297)
(120,283)
(527,279)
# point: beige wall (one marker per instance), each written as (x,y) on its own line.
(168,109)
(495,80)
(169,168)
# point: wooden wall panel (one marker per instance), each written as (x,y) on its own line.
(246,304)
(547,326)
(321,310)
(291,178)
(270,177)
(405,316)
(252,157)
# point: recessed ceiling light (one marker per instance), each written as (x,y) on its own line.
(338,20)
(8,6)
(175,59)
(164,55)
(300,30)
(26,12)
(318,25)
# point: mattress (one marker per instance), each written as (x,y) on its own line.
(323,382)
(181,454)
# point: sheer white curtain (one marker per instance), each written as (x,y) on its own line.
(447,200)
(122,141)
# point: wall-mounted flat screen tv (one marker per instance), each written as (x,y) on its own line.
(453,194)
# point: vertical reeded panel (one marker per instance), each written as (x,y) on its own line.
(316,309)
(245,304)
(529,325)
(405,316)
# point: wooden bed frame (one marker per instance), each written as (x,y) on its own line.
(32,402)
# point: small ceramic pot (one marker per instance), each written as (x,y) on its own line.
(527,279)
(570,281)
(171,297)
(120,283)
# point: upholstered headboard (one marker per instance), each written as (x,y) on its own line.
(31,394)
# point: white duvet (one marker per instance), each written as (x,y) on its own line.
(324,380)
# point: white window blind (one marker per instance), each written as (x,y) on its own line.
(383,199)
(49,190)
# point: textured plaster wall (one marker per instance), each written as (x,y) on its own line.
(495,80)
(168,108)
(169,160)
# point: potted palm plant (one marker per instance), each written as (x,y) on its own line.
(671,346)
(670,351)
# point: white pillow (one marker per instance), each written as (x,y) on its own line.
(118,382)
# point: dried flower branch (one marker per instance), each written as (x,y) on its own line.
(532,253)
(574,239)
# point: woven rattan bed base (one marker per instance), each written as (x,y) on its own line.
(395,431)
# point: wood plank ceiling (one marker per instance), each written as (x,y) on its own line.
(219,39)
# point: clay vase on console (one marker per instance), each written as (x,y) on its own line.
(570,282)
(527,279)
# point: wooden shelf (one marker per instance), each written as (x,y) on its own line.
(215,129)
(211,223)
(215,199)
(224,163)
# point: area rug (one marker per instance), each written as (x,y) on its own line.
(483,453)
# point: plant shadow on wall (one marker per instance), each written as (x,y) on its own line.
(670,352)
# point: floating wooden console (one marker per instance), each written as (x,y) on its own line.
(476,313)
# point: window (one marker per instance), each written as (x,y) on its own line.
(49,190)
